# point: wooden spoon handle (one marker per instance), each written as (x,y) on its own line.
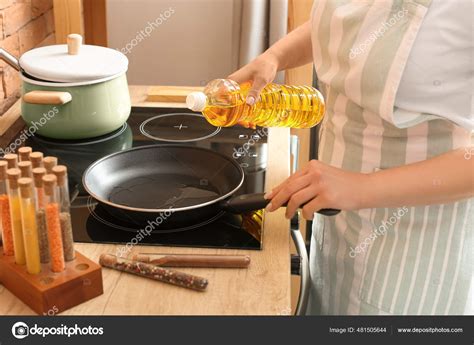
(186,260)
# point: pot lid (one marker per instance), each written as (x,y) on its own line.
(73,62)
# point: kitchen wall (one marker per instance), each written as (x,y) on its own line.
(194,42)
(24,24)
(189,42)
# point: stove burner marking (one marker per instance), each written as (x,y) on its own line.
(179,127)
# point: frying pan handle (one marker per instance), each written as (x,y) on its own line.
(246,203)
(329,211)
(251,202)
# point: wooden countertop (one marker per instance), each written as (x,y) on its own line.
(262,289)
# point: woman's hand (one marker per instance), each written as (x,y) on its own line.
(259,73)
(319,186)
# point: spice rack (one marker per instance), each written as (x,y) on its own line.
(38,263)
(46,291)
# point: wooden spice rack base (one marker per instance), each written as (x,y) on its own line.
(49,292)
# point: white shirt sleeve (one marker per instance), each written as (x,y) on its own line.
(438,80)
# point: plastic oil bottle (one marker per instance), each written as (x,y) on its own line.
(223,105)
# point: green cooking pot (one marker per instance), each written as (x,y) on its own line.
(68,111)
(73,91)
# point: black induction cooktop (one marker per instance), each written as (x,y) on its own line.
(151,126)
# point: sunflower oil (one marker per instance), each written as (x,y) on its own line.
(223,105)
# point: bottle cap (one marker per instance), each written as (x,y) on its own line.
(50,162)
(13,175)
(12,160)
(36,159)
(49,182)
(196,101)
(25,168)
(24,153)
(25,187)
(61,174)
(38,174)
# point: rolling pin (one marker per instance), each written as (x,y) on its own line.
(195,260)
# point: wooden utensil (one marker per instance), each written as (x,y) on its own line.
(170,94)
(194,260)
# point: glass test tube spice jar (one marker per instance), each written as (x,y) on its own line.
(15,214)
(28,221)
(5,224)
(53,224)
(65,208)
(38,174)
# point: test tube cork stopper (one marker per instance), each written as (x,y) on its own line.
(25,153)
(49,183)
(25,184)
(49,163)
(13,175)
(38,174)
(12,160)
(36,159)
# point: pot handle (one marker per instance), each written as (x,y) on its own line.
(9,59)
(251,202)
(47,97)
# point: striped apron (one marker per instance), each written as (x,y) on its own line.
(406,260)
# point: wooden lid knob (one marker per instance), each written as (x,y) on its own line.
(3,170)
(49,163)
(38,174)
(25,168)
(36,159)
(74,42)
(13,175)
(12,160)
(24,153)
(61,174)
(26,184)
(49,184)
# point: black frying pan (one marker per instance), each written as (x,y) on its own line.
(147,183)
